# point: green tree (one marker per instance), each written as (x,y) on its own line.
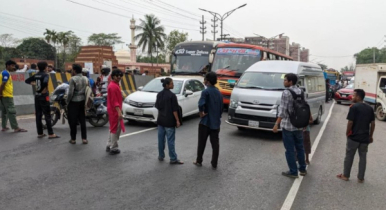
(74,46)
(104,39)
(36,48)
(369,55)
(6,53)
(348,68)
(174,38)
(7,40)
(51,36)
(64,39)
(152,35)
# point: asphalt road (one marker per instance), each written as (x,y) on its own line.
(53,174)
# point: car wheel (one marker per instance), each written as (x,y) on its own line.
(319,117)
(379,113)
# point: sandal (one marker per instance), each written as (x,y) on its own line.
(42,135)
(72,141)
(342,177)
(84,141)
(54,137)
(4,129)
(176,162)
(20,130)
(197,163)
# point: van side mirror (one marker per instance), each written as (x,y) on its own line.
(188,93)
(140,88)
(211,57)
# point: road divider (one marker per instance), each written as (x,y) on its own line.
(137,132)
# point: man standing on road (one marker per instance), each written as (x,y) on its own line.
(42,100)
(360,130)
(168,120)
(210,106)
(76,104)
(8,110)
(114,109)
(292,136)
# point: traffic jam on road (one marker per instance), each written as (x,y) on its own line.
(283,129)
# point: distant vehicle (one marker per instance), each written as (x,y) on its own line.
(193,59)
(332,75)
(344,94)
(231,60)
(372,79)
(140,105)
(347,75)
(256,97)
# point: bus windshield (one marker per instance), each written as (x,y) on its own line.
(189,64)
(191,58)
(235,59)
(260,80)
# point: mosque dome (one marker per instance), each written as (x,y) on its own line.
(123,56)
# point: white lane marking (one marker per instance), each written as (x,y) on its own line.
(138,132)
(295,186)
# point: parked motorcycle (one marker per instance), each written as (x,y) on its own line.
(96,115)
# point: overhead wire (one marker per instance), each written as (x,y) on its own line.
(120,15)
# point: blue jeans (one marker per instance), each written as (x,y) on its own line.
(293,140)
(170,134)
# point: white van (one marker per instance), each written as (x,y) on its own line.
(256,97)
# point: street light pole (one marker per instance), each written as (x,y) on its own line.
(222,17)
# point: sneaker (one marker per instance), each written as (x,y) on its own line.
(115,151)
(288,174)
(303,173)
(107,149)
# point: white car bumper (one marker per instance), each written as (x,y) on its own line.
(139,114)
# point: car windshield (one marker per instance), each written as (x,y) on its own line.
(186,64)
(260,80)
(155,86)
(236,59)
(350,86)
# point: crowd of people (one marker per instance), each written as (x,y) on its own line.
(296,135)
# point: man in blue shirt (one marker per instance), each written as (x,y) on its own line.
(210,106)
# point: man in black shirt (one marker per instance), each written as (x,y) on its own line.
(360,129)
(168,120)
(42,100)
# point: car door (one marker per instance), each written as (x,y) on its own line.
(198,87)
(187,102)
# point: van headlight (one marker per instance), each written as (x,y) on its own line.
(233,104)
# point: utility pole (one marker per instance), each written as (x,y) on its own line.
(203,27)
(223,37)
(373,54)
(214,27)
(221,18)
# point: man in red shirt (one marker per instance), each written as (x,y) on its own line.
(114,109)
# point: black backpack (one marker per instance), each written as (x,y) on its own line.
(300,115)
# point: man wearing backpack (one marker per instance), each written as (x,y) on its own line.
(292,112)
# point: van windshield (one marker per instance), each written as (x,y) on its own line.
(261,80)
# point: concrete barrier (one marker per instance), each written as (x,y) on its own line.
(24,94)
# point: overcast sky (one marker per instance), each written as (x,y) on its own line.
(333,30)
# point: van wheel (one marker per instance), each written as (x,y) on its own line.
(319,117)
(241,128)
(379,113)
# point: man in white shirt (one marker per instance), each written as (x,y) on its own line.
(51,69)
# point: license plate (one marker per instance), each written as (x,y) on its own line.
(138,112)
(231,81)
(344,95)
(253,123)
